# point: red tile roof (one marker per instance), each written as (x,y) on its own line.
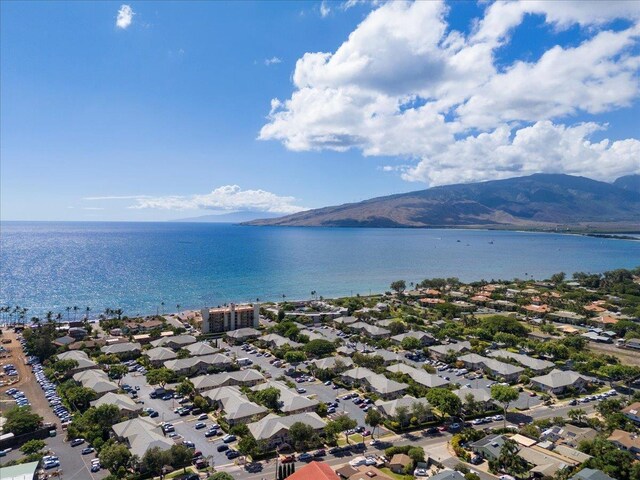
(314,471)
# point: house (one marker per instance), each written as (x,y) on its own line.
(510,373)
(127,407)
(544,462)
(273,341)
(84,362)
(124,349)
(536,365)
(387,356)
(176,342)
(142,338)
(274,429)
(481,396)
(291,402)
(390,408)
(400,463)
(558,381)
(489,447)
(422,377)
(629,442)
(379,384)
(342,321)
(332,363)
(440,352)
(246,378)
(591,474)
(96,380)
(200,348)
(346,471)
(236,406)
(565,316)
(141,434)
(157,356)
(195,365)
(24,471)
(448,475)
(424,338)
(314,471)
(632,412)
(368,473)
(63,341)
(368,330)
(568,434)
(241,335)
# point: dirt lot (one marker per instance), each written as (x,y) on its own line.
(27,382)
(627,357)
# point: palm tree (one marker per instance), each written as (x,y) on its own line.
(68,309)
(49,316)
(87,310)
(162,310)
(75,312)
(58,317)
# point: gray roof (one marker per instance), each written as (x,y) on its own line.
(492,364)
(240,377)
(525,360)
(479,394)
(559,378)
(200,348)
(270,425)
(391,407)
(422,377)
(243,333)
(181,340)
(123,347)
(370,329)
(79,356)
(448,475)
(123,402)
(96,380)
(412,334)
(279,341)
(142,433)
(160,354)
(329,363)
(346,320)
(290,401)
(491,443)
(453,347)
(192,362)
(235,405)
(591,474)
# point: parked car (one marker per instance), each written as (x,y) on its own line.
(305,457)
(223,447)
(77,441)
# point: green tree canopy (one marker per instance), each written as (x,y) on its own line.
(444,400)
(160,376)
(114,455)
(319,348)
(410,343)
(398,286)
(269,397)
(32,446)
(504,395)
(21,420)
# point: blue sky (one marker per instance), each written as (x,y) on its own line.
(171,113)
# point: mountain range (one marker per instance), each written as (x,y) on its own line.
(539,201)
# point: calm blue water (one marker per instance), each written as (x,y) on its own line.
(136,266)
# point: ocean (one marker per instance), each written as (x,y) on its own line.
(138,266)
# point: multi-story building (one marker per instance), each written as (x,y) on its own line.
(233,317)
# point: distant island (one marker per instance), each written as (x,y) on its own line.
(549,202)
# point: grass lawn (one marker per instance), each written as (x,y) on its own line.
(397,476)
(179,472)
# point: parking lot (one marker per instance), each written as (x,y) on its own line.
(184,425)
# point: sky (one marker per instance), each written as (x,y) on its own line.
(152,111)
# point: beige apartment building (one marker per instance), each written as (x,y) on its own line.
(233,317)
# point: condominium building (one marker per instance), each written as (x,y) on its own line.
(233,317)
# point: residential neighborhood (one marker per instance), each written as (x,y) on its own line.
(478,385)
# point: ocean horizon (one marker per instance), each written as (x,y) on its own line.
(138,266)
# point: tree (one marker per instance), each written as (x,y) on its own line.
(577,415)
(118,371)
(397,327)
(319,348)
(558,278)
(342,423)
(444,400)
(373,418)
(398,286)
(114,455)
(185,387)
(21,420)
(160,376)
(416,454)
(247,445)
(294,357)
(470,404)
(183,353)
(269,397)
(154,459)
(64,366)
(402,415)
(200,402)
(180,456)
(509,461)
(504,395)
(32,446)
(300,434)
(80,397)
(410,343)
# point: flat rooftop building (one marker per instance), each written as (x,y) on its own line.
(233,317)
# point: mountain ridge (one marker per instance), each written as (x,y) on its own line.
(539,201)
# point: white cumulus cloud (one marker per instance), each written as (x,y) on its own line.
(227,198)
(125,16)
(405,84)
